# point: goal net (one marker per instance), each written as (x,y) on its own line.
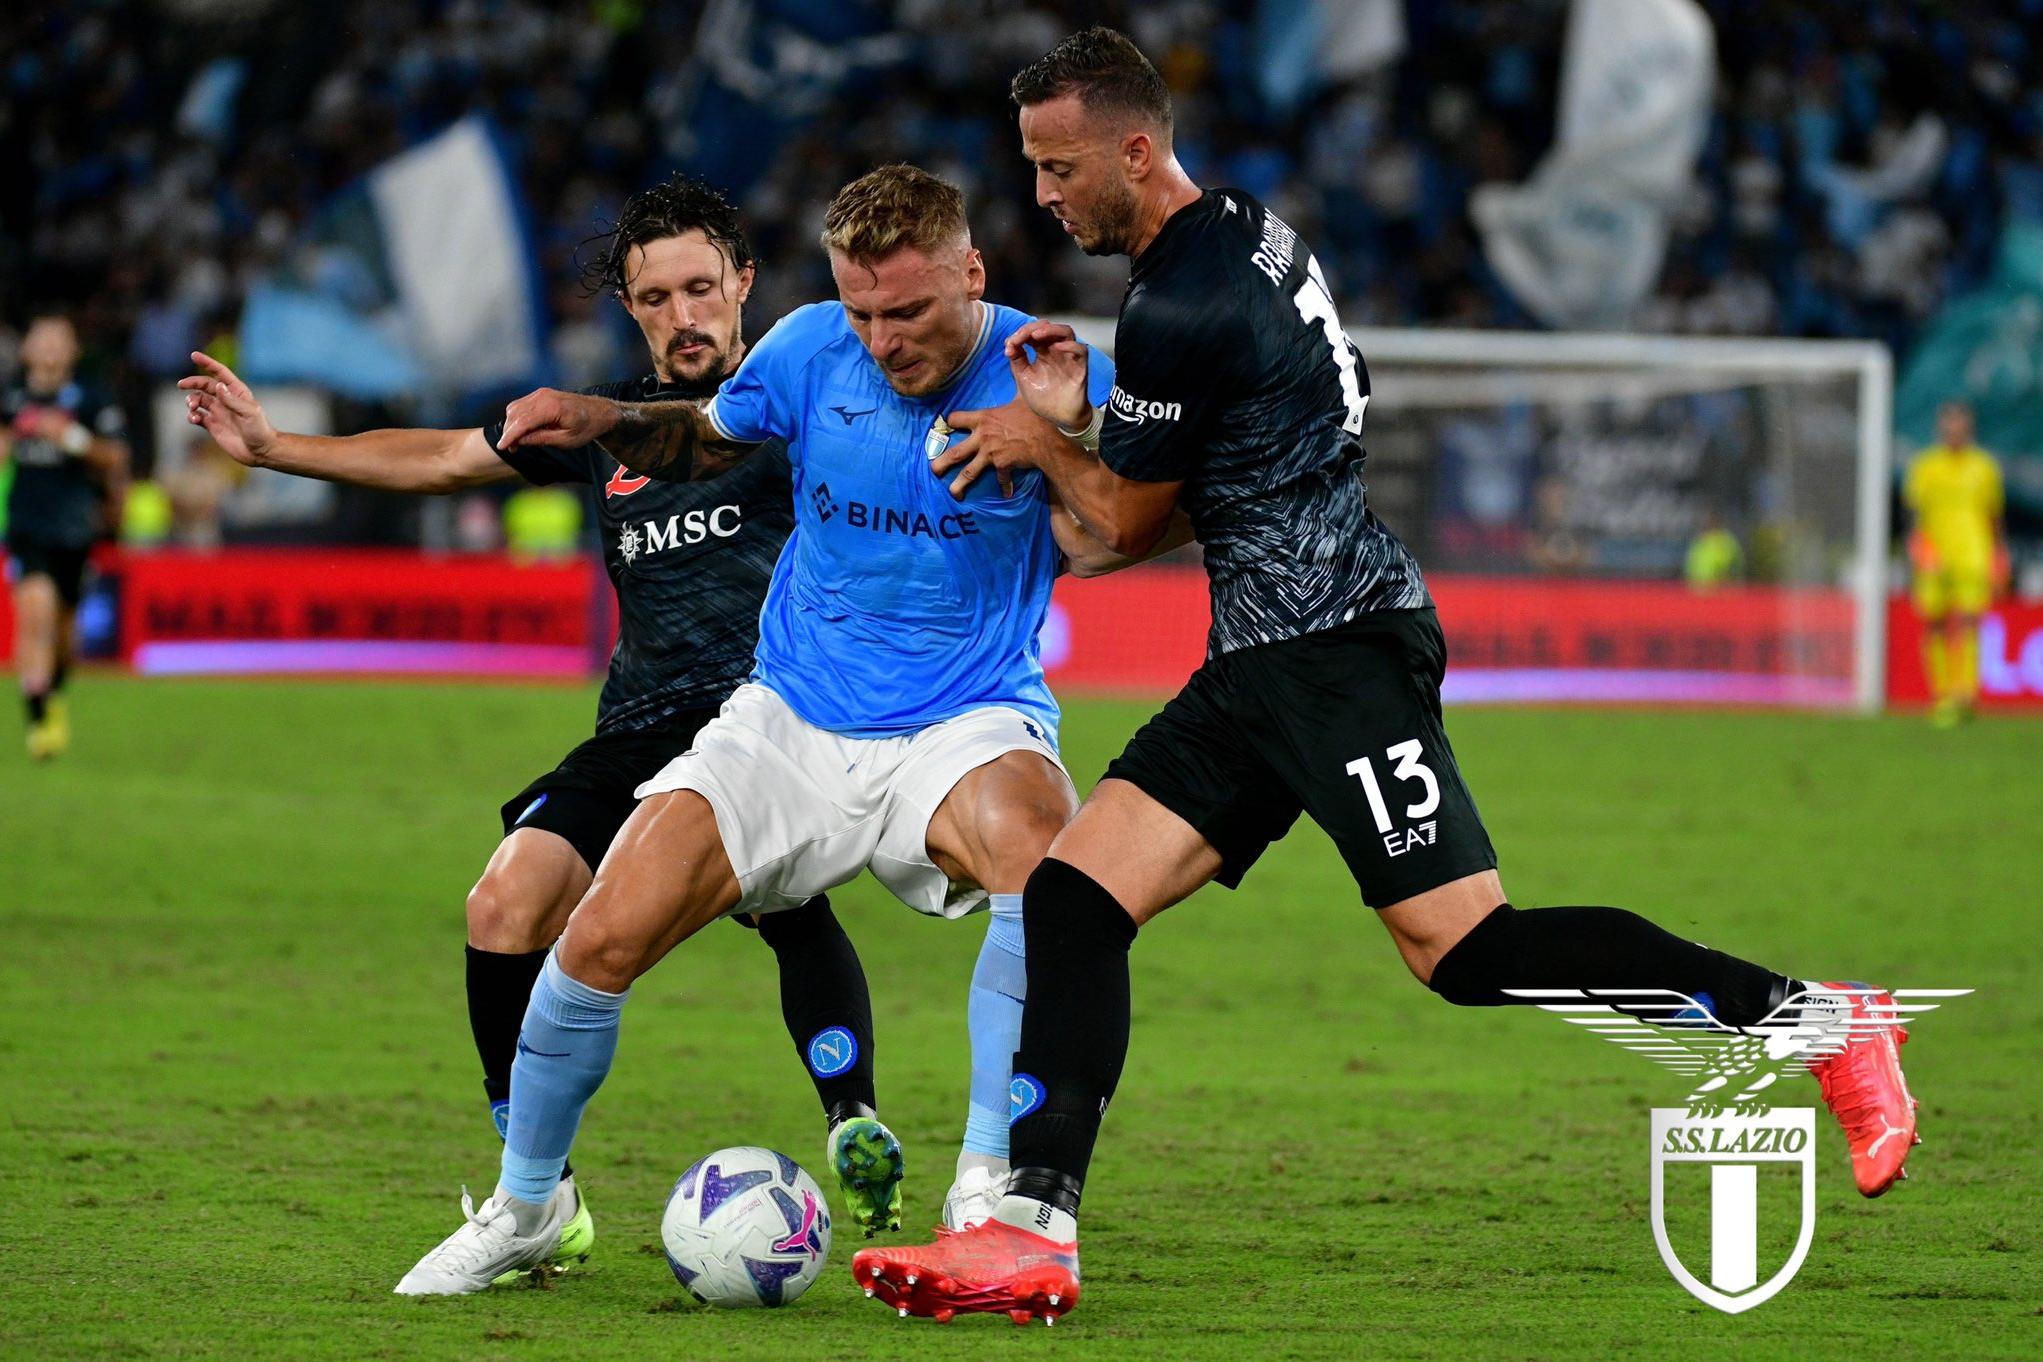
(1637,518)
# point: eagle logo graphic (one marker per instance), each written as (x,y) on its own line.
(1733,1068)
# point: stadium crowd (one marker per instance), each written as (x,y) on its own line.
(1861,160)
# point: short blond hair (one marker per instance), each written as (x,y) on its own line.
(894,206)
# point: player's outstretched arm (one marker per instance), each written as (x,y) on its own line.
(217,401)
(670,441)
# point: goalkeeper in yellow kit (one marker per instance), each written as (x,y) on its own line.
(1957,555)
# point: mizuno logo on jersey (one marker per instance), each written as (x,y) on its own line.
(652,536)
(1138,410)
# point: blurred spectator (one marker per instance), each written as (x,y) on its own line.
(197,490)
(1861,158)
(543,522)
(1714,557)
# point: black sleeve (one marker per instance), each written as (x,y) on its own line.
(1170,376)
(541,464)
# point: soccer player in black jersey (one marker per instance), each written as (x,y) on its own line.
(1240,397)
(689,563)
(70,458)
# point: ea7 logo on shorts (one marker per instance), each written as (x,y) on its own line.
(832,1051)
(1136,410)
(1397,841)
(1424,835)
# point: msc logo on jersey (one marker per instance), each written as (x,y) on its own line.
(1136,410)
(653,536)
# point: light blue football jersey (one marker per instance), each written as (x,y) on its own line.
(894,606)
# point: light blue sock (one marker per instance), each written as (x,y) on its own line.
(999,983)
(564,1053)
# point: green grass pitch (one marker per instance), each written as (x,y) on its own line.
(240,1100)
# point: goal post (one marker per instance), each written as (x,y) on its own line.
(1648,518)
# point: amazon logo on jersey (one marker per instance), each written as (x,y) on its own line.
(1138,410)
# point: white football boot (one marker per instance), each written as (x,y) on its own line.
(489,1246)
(974,1196)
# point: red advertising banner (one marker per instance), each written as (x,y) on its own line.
(2010,656)
(1139,632)
(1508,638)
(340,610)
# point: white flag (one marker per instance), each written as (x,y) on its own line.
(460,258)
(1582,241)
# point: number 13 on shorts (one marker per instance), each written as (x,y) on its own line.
(1405,768)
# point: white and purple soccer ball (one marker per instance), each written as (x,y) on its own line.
(746,1227)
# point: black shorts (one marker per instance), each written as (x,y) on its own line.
(588,796)
(1342,724)
(62,564)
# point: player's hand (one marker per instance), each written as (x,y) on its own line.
(1050,365)
(559,420)
(219,402)
(1002,439)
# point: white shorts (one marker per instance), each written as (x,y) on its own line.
(802,809)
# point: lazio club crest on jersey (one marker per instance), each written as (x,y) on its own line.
(1733,1177)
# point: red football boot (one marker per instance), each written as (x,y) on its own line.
(991,1268)
(1864,1089)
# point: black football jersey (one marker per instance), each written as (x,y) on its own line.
(55,496)
(1234,377)
(689,561)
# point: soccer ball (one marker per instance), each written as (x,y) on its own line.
(746,1227)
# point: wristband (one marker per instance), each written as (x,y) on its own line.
(76,440)
(1089,434)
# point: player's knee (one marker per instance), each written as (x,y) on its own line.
(599,954)
(506,917)
(1472,966)
(1017,825)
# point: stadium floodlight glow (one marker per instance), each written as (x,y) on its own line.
(1579,458)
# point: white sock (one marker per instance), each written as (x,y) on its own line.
(992,1163)
(528,1216)
(1038,1217)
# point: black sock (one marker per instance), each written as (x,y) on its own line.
(1599,948)
(823,1000)
(38,704)
(1074,1029)
(499,987)
(59,674)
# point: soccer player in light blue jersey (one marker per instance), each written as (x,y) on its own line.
(897,718)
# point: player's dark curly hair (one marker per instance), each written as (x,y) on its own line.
(1105,69)
(676,205)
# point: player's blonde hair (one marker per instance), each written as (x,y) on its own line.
(894,206)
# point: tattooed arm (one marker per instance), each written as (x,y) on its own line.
(670,441)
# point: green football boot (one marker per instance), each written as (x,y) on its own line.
(867,1160)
